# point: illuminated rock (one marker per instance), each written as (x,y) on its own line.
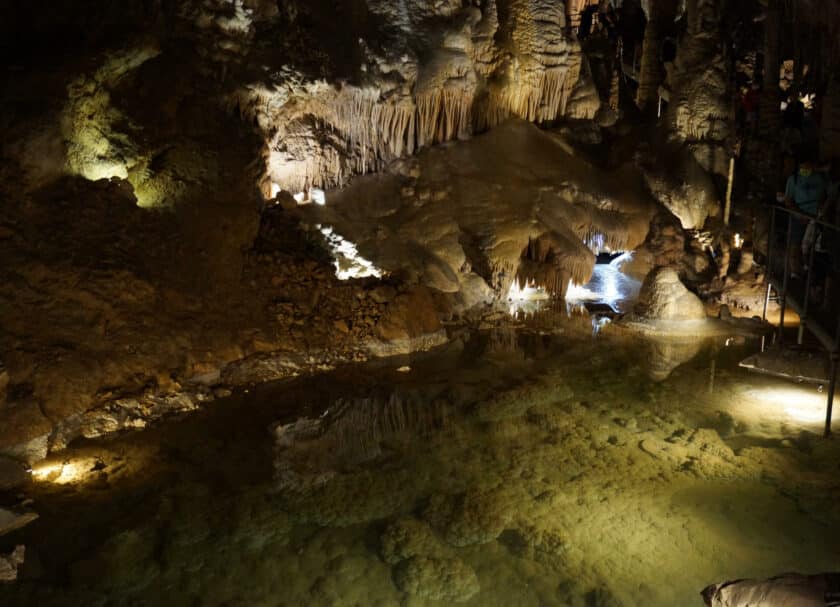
(664,298)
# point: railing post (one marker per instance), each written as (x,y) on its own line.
(768,270)
(808,274)
(764,314)
(766,301)
(783,294)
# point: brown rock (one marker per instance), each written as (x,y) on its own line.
(12,473)
(24,432)
(411,314)
(383,295)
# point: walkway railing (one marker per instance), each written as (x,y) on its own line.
(802,253)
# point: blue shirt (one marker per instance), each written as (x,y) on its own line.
(807,191)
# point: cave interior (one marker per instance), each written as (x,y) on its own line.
(419,302)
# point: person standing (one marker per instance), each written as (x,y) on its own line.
(805,192)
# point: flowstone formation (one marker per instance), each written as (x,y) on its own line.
(513,206)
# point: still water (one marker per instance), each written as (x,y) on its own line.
(525,467)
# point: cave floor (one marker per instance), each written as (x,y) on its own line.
(518,466)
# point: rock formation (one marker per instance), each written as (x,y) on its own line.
(664,298)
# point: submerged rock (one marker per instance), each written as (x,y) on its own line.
(437,579)
(476,517)
(407,538)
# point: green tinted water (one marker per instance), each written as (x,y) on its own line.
(510,468)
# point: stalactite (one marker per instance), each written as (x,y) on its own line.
(615,91)
(461,90)
(551,260)
(443,115)
(540,98)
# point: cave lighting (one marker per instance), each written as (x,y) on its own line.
(739,241)
(802,404)
(318,196)
(348,263)
(577,293)
(527,293)
(527,299)
(605,280)
(275,189)
(63,473)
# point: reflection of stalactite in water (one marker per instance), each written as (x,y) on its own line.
(503,341)
(360,426)
(352,432)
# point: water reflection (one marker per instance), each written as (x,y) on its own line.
(514,467)
(353,432)
(666,355)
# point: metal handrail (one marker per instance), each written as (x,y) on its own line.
(806,216)
(831,344)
